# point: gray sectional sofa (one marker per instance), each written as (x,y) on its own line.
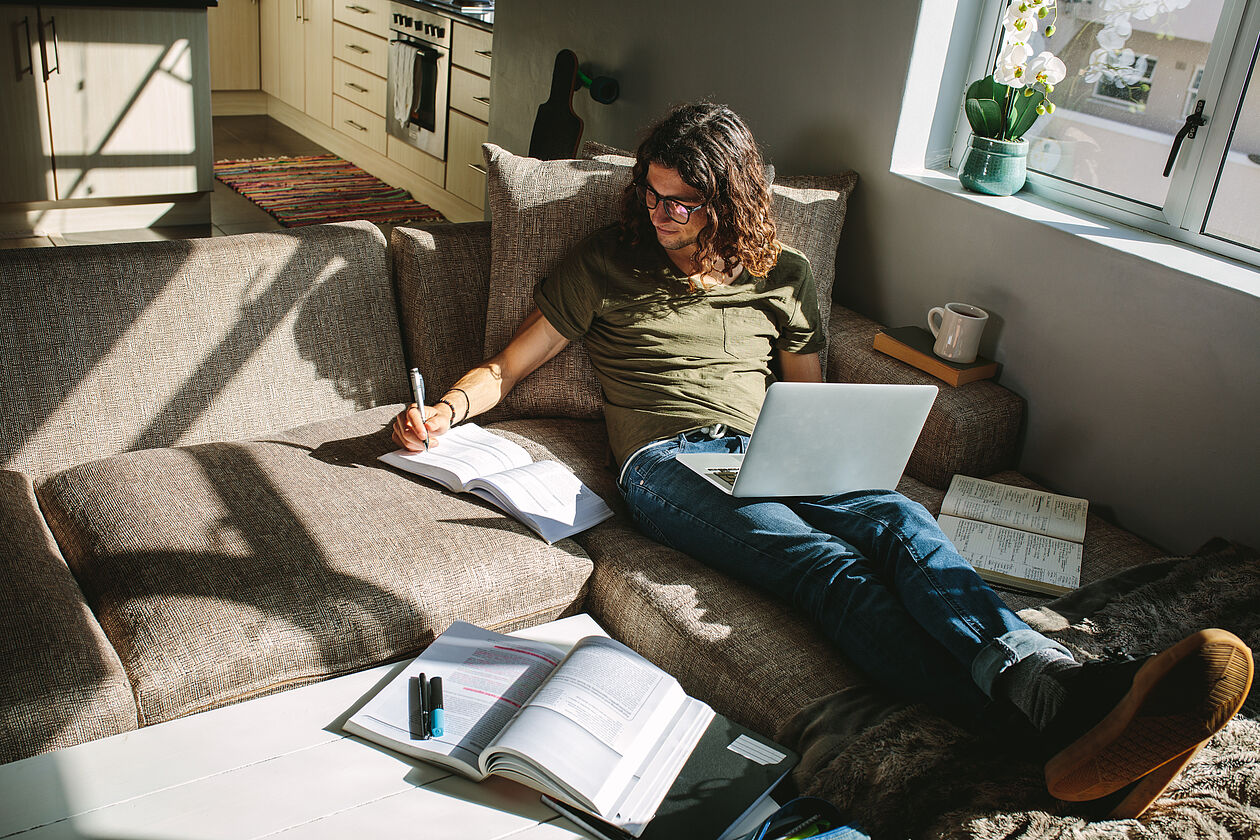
(191,509)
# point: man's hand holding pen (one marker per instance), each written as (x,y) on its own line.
(412,428)
(416,426)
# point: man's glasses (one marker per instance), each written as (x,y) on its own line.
(675,209)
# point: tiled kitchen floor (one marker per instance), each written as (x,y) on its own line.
(235,137)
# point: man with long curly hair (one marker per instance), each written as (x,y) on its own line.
(688,308)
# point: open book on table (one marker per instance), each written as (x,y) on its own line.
(545,495)
(600,728)
(1014,536)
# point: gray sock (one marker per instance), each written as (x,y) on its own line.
(1029,684)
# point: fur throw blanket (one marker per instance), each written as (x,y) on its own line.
(902,772)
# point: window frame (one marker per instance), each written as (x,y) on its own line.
(1231,66)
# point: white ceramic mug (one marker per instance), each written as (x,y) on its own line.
(957,327)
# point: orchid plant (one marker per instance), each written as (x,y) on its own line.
(1006,103)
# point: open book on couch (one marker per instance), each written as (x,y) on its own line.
(545,495)
(1014,536)
(601,728)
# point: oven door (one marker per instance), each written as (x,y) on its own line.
(416,93)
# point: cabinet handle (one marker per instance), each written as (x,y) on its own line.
(359,88)
(358,49)
(484,100)
(43,48)
(477,168)
(30,57)
(360,10)
(297,7)
(355,125)
(486,53)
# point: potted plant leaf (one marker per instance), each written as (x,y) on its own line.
(1002,106)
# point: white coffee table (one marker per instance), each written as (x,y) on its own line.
(278,767)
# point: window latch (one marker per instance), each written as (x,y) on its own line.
(1191,128)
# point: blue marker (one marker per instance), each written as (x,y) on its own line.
(437,714)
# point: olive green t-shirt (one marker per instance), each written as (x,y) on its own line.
(669,358)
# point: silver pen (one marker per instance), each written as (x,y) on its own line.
(417,393)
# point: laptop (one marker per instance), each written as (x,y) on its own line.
(822,438)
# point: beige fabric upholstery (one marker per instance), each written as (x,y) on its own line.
(60,681)
(443,276)
(809,214)
(972,429)
(539,210)
(111,348)
(225,571)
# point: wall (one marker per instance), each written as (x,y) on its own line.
(1142,382)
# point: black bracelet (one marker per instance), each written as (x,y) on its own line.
(451,407)
(467,403)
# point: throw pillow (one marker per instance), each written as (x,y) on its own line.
(540,209)
(809,212)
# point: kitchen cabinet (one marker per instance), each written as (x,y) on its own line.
(360,64)
(104,103)
(234,55)
(470,113)
(296,54)
(465,165)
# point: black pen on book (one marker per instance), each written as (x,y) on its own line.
(417,713)
(417,393)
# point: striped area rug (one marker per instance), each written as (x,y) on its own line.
(311,189)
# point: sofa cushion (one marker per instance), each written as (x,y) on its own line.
(225,571)
(60,680)
(108,348)
(443,276)
(539,210)
(809,213)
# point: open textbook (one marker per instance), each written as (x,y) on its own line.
(545,495)
(601,728)
(1014,536)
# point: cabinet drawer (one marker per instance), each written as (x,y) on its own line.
(361,49)
(470,47)
(470,93)
(359,86)
(369,15)
(465,165)
(359,123)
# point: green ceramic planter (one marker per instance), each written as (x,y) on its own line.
(994,167)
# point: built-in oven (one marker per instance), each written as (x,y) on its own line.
(417,83)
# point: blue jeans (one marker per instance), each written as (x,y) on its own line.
(872,568)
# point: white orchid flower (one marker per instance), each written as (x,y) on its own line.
(1011,69)
(1115,34)
(1020,21)
(1046,69)
(1097,67)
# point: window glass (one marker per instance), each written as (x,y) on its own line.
(1234,213)
(1133,67)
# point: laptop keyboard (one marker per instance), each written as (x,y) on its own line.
(726,475)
